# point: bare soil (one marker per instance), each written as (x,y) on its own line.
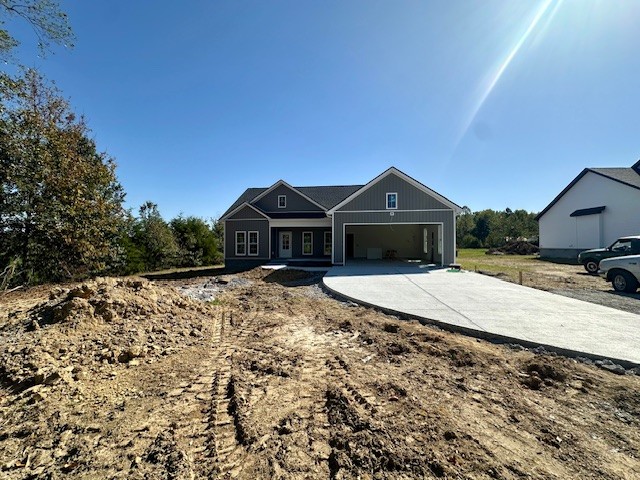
(125,378)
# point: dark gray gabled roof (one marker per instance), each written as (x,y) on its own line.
(328,196)
(628,176)
(248,195)
(623,175)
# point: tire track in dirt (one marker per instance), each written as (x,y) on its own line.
(227,433)
(192,403)
(207,428)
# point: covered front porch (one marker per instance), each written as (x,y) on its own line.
(304,246)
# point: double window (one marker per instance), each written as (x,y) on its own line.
(247,239)
(392,201)
(282,201)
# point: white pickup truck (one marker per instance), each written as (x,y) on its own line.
(622,272)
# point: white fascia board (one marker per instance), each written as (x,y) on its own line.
(293,189)
(240,207)
(407,179)
(299,222)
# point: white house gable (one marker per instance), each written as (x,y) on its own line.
(621,215)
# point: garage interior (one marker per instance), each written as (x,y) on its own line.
(406,242)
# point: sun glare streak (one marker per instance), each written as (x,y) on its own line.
(495,76)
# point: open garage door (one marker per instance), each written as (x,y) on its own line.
(409,242)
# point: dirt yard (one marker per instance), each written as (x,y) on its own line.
(271,378)
(568,280)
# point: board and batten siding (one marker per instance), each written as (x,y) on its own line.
(563,233)
(246,213)
(295,202)
(445,217)
(409,197)
(231,226)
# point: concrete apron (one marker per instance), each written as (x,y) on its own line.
(493,309)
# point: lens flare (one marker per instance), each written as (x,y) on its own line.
(495,75)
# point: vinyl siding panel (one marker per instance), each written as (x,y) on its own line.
(246,213)
(295,202)
(446,217)
(409,197)
(261,226)
(621,216)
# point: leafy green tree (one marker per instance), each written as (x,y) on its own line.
(491,228)
(482,226)
(197,241)
(469,241)
(465,224)
(48,22)
(60,201)
(218,229)
(153,240)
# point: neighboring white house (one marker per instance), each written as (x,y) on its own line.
(597,207)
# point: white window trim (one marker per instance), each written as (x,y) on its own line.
(311,235)
(257,243)
(285,201)
(329,243)
(392,193)
(241,243)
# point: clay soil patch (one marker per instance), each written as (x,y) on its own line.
(274,379)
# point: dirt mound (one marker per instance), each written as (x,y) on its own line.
(540,373)
(515,248)
(106,321)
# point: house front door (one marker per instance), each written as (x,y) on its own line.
(285,245)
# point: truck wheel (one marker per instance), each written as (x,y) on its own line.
(624,282)
(591,266)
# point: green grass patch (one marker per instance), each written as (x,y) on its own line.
(476,259)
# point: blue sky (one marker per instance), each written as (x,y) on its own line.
(492,103)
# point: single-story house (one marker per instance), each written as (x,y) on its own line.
(597,207)
(393,216)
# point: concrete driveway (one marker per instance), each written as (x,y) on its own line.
(490,308)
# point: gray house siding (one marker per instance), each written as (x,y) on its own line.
(295,202)
(233,226)
(445,217)
(409,197)
(296,241)
(246,213)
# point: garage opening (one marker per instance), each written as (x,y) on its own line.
(403,242)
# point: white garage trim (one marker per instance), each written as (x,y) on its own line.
(374,224)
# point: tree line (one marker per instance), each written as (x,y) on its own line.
(61,205)
(492,228)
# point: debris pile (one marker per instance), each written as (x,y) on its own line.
(519,247)
(106,321)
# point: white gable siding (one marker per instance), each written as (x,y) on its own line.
(621,216)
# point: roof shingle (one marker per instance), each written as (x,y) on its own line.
(629,176)
(328,196)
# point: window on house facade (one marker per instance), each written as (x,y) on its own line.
(241,243)
(282,201)
(327,243)
(253,243)
(307,243)
(392,201)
